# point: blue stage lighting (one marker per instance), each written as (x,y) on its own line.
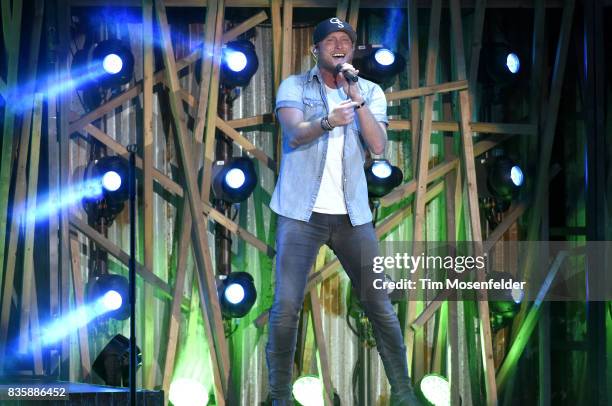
(235,180)
(239,63)
(382,177)
(109,293)
(237,294)
(513,63)
(381,169)
(504,178)
(236,60)
(234,293)
(111,181)
(516,174)
(112,63)
(378,63)
(384,57)
(112,300)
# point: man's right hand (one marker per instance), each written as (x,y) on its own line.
(343,114)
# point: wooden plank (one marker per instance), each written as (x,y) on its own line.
(342,9)
(528,326)
(428,90)
(79,301)
(477,27)
(30,207)
(415,104)
(213,101)
(149,310)
(477,127)
(287,68)
(277,37)
(245,143)
(474,209)
(211,312)
(251,121)
(11,27)
(317,325)
(209,48)
(244,26)
(35,330)
(354,14)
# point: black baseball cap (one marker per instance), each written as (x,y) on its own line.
(326,27)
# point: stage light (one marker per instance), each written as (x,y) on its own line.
(382,177)
(108,175)
(434,390)
(187,392)
(237,294)
(504,178)
(113,362)
(110,292)
(504,304)
(308,390)
(384,57)
(115,60)
(235,180)
(500,64)
(378,64)
(112,63)
(239,63)
(513,62)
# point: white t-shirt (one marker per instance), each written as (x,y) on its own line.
(330,199)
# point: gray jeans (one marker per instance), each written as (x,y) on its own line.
(297,244)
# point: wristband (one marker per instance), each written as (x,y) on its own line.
(325,124)
(361,105)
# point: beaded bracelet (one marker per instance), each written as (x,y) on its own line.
(325,124)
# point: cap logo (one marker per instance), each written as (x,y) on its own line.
(336,20)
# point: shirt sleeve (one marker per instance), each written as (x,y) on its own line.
(378,104)
(289,94)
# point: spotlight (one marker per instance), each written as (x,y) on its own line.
(500,64)
(434,390)
(113,62)
(113,363)
(308,390)
(378,63)
(504,178)
(382,177)
(235,180)
(106,179)
(110,295)
(504,304)
(238,64)
(237,294)
(186,392)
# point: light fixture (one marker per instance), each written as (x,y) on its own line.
(187,392)
(112,364)
(382,177)
(378,63)
(237,294)
(308,390)
(235,180)
(110,294)
(106,178)
(504,304)
(504,178)
(239,63)
(434,390)
(500,64)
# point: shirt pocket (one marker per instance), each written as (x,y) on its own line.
(313,107)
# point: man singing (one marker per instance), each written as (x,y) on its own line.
(321,197)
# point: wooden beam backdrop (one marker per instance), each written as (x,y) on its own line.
(195,201)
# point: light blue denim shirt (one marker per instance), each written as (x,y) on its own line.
(302,167)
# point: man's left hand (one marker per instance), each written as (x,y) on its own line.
(350,88)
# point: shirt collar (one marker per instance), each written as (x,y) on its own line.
(314,72)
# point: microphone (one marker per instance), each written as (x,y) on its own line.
(347,74)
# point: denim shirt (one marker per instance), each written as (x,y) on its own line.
(302,167)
